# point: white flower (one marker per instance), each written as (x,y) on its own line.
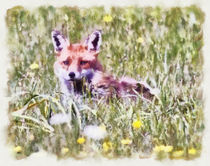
(59,119)
(95,132)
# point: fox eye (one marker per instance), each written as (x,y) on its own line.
(66,62)
(83,62)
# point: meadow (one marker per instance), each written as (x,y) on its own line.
(158,45)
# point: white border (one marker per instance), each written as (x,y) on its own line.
(43,158)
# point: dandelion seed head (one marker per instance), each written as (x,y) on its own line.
(59,119)
(95,132)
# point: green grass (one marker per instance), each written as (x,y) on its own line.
(168,57)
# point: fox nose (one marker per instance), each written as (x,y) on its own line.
(72,75)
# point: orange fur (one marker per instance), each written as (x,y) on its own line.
(77,61)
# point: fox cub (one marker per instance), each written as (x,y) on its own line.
(79,70)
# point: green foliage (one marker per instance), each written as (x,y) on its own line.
(160,46)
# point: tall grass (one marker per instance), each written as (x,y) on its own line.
(160,46)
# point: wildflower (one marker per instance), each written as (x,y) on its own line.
(137,124)
(126,141)
(168,148)
(95,132)
(81,140)
(107,18)
(18,149)
(158,148)
(192,151)
(163,148)
(140,40)
(107,145)
(34,66)
(178,153)
(59,119)
(64,150)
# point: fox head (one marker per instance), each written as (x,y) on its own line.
(75,61)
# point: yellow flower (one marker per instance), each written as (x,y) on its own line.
(18,149)
(34,66)
(80,140)
(158,148)
(137,124)
(140,40)
(168,148)
(126,141)
(178,153)
(107,145)
(192,151)
(107,18)
(163,148)
(64,150)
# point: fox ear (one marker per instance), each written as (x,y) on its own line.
(94,40)
(59,41)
